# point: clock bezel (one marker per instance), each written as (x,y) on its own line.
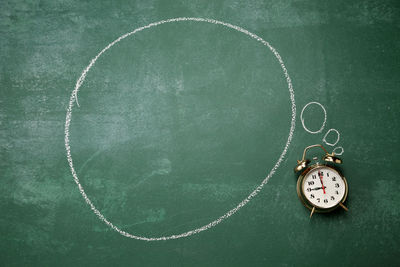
(303,198)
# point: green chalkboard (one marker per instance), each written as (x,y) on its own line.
(165,133)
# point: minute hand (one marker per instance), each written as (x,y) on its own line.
(322,183)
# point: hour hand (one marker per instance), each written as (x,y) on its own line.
(318,188)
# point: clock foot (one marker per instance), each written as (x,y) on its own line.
(312,212)
(343,206)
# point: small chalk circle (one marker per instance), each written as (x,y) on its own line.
(302,119)
(337,137)
(338,153)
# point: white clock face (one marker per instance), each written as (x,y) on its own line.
(324,187)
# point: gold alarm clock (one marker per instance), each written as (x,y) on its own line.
(321,187)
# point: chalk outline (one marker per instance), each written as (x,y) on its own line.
(322,127)
(302,120)
(74,97)
(337,140)
(341,153)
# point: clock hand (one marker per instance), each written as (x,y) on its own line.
(320,178)
(318,188)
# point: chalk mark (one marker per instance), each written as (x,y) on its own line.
(338,153)
(74,98)
(327,133)
(302,119)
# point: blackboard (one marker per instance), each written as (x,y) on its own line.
(165,133)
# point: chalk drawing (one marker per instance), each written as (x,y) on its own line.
(322,127)
(337,137)
(74,98)
(302,119)
(338,153)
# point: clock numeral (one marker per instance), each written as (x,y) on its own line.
(322,173)
(334,179)
(337,192)
(319,200)
(312,196)
(314,176)
(332,198)
(309,189)
(311,183)
(327,174)
(325,201)
(337,185)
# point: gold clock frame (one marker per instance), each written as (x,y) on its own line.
(308,204)
(302,165)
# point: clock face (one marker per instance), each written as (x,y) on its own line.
(324,187)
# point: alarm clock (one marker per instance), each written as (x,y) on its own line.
(321,187)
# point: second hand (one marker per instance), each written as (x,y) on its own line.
(320,178)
